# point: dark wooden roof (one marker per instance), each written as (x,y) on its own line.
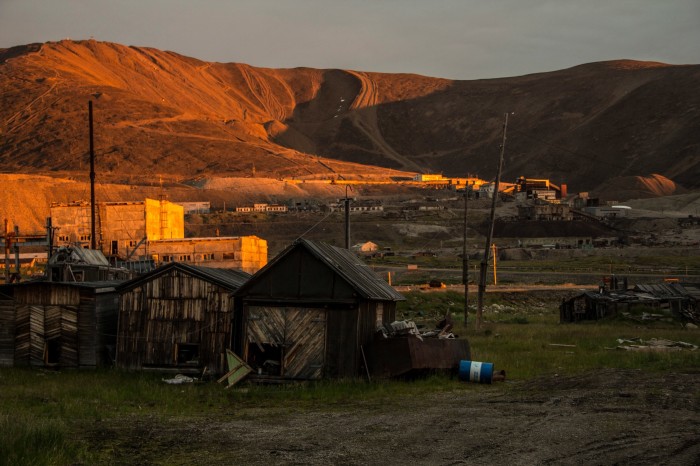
(230,279)
(671,290)
(98,286)
(342,262)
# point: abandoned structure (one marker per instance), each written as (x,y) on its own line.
(545,211)
(177,317)
(310,313)
(681,301)
(153,231)
(120,226)
(574,234)
(78,264)
(58,324)
(247,253)
(531,188)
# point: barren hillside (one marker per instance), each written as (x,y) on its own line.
(158,112)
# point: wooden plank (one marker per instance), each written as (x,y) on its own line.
(36,336)
(305,343)
(238,369)
(7,332)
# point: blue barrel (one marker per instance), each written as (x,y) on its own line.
(474,371)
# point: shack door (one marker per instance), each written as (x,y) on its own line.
(287,341)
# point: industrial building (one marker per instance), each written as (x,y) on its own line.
(152,231)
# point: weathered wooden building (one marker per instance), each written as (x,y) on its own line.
(310,313)
(177,317)
(58,324)
(681,301)
(78,264)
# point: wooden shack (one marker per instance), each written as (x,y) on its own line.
(54,324)
(177,317)
(310,313)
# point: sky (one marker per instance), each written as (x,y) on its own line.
(455,39)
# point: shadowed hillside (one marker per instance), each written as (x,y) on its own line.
(158,112)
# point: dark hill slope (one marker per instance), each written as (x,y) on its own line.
(160,112)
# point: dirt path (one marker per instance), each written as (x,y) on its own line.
(610,417)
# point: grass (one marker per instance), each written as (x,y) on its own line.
(50,418)
(36,441)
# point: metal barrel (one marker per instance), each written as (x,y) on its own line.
(474,371)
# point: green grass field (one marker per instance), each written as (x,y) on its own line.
(46,416)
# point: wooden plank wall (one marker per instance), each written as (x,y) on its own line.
(7,332)
(55,312)
(69,337)
(342,350)
(305,347)
(36,335)
(173,309)
(299,331)
(87,330)
(22,335)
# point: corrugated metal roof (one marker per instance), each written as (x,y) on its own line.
(663,290)
(352,269)
(99,286)
(78,255)
(231,279)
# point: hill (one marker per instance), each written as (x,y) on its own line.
(161,113)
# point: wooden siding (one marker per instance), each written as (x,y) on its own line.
(55,323)
(298,332)
(289,280)
(172,310)
(343,349)
(7,332)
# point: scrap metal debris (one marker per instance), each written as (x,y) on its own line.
(401,328)
(179,379)
(654,344)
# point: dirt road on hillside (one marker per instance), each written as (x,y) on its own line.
(609,417)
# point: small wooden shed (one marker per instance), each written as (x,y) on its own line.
(59,324)
(310,313)
(177,317)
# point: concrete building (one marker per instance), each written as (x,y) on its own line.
(153,231)
(119,226)
(247,253)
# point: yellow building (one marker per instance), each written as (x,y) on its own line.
(152,230)
(247,253)
(119,226)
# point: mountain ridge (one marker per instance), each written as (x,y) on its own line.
(162,112)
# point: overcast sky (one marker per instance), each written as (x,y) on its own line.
(458,39)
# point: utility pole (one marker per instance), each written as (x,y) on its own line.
(347,218)
(487,249)
(495,249)
(465,256)
(93,237)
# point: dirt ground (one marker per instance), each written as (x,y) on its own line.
(608,417)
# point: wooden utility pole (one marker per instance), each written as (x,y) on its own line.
(495,259)
(487,249)
(465,256)
(93,236)
(347,218)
